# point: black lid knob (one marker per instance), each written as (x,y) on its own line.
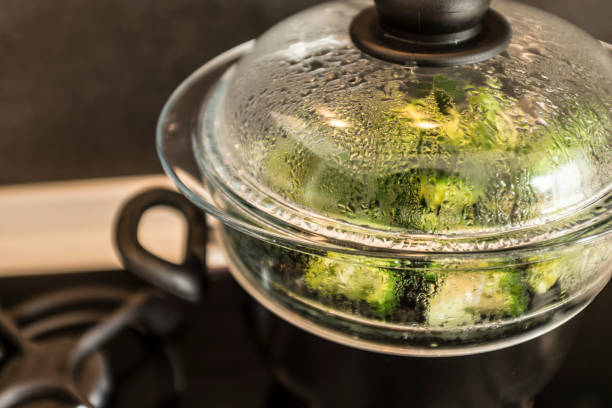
(431,32)
(431,17)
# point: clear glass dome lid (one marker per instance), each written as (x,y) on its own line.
(310,133)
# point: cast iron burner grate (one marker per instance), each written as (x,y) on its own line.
(53,344)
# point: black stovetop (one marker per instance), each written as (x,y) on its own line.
(219,366)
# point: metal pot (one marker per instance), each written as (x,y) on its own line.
(327,374)
(401,192)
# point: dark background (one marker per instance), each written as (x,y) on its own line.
(82,81)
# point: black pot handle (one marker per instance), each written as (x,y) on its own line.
(185,280)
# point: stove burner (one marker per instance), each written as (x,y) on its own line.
(40,366)
(53,352)
(55,358)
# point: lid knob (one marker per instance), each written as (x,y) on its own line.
(431,32)
(432,17)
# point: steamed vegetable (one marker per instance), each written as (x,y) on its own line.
(457,157)
(544,275)
(426,200)
(420,199)
(444,298)
(454,157)
(383,290)
(376,286)
(467,297)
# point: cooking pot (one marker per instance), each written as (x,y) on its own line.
(400,187)
(327,374)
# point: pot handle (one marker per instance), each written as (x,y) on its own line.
(183,280)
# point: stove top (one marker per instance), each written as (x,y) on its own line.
(157,352)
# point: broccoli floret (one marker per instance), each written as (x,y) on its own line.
(356,282)
(543,275)
(386,286)
(455,156)
(467,297)
(425,200)
(443,298)
(420,199)
(567,269)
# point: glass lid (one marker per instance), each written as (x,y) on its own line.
(309,133)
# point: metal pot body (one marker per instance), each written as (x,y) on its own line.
(357,374)
(328,374)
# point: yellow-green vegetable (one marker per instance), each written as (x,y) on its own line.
(355,282)
(467,297)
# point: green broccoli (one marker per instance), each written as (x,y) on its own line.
(450,156)
(467,297)
(387,287)
(568,270)
(356,282)
(425,200)
(420,199)
(543,275)
(443,298)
